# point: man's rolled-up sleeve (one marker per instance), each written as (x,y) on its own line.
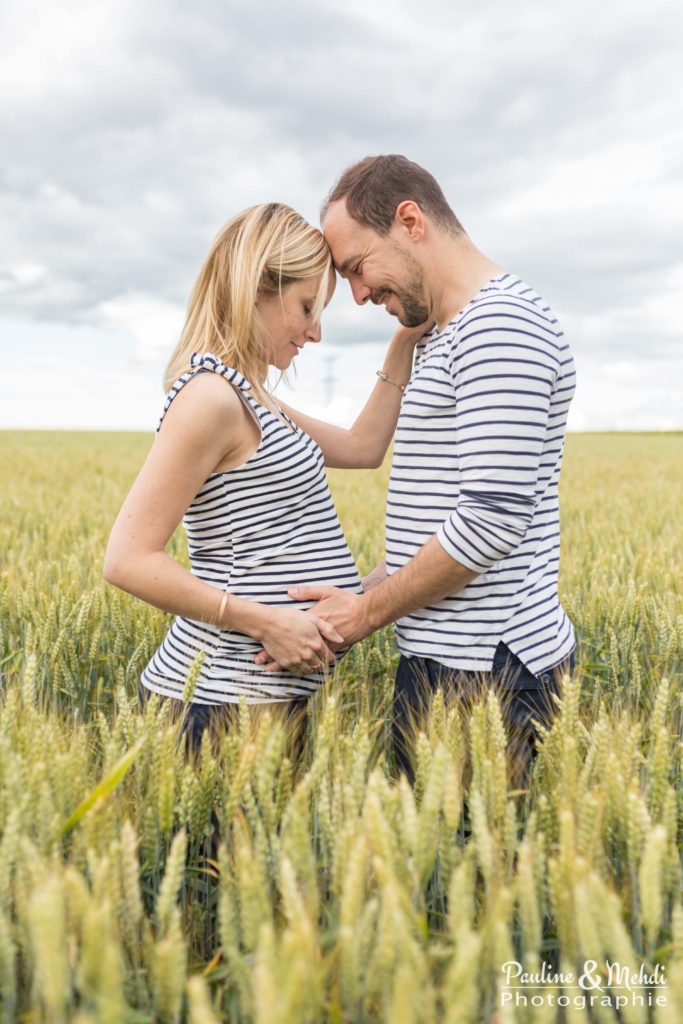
(503,376)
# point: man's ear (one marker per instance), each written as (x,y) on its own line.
(410,220)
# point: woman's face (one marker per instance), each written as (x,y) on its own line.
(288,318)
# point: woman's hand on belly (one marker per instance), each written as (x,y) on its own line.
(296,640)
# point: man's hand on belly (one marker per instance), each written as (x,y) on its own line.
(334,606)
(428,577)
(342,609)
(425,579)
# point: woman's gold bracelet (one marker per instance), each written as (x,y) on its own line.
(383,376)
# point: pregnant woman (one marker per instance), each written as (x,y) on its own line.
(247,478)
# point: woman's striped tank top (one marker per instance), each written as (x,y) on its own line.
(254,531)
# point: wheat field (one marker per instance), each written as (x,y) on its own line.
(137,885)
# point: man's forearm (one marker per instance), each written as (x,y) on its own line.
(427,578)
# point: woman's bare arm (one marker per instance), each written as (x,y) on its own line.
(200,428)
(204,426)
(364,445)
(374,578)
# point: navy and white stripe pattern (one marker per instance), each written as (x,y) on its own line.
(254,531)
(477,460)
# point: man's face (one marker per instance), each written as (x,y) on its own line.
(379,268)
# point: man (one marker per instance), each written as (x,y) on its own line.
(472,554)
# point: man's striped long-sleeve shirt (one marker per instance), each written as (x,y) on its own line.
(477,460)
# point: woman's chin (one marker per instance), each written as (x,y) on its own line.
(283,362)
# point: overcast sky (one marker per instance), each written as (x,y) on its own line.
(133,130)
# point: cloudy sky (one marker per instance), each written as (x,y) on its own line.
(133,130)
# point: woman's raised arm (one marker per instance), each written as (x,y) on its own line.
(364,445)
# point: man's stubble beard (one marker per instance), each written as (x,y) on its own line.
(413,309)
(413,304)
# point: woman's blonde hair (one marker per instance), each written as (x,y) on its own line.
(260,251)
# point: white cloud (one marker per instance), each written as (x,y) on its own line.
(133,131)
(27,273)
(154,324)
(341,411)
(80,399)
(667,307)
(619,175)
(627,395)
(45,44)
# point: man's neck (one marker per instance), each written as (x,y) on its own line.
(456,272)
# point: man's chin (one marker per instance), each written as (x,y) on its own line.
(398,313)
(407,318)
(408,321)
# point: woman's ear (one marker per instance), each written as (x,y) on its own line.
(267,284)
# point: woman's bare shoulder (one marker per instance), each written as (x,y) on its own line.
(208,391)
(207,403)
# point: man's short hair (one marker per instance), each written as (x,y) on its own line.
(374,187)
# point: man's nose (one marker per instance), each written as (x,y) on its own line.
(361,293)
